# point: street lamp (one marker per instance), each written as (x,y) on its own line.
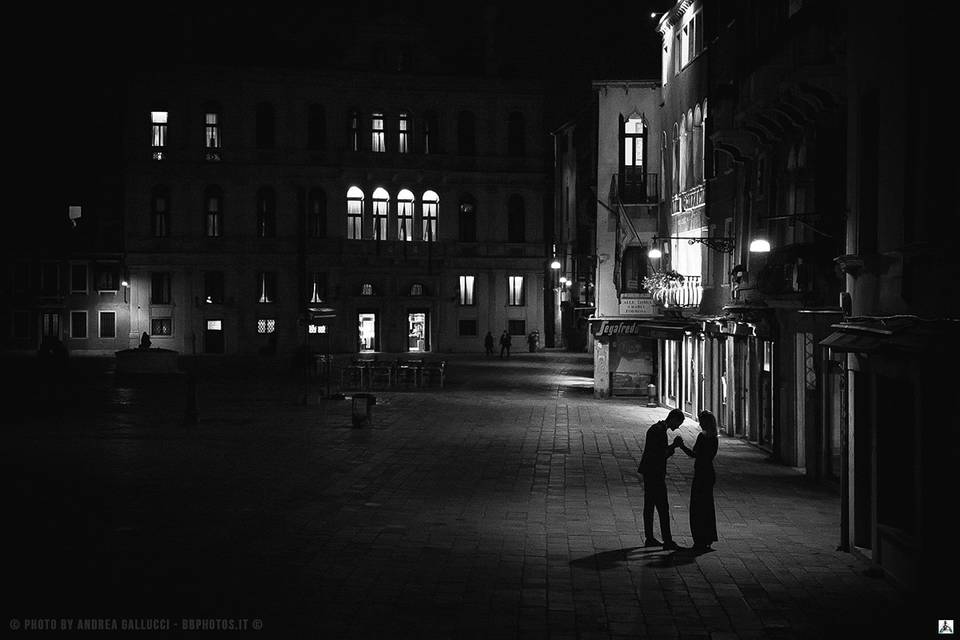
(654,254)
(555,264)
(759,245)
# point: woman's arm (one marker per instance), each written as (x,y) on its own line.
(678,442)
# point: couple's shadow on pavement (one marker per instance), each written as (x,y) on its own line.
(646,556)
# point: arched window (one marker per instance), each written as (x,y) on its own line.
(516,220)
(675,169)
(317,207)
(211,132)
(266,126)
(516,134)
(159,211)
(354,213)
(316,126)
(468,219)
(381,205)
(266,213)
(663,164)
(213,212)
(405,215)
(688,150)
(466,134)
(403,132)
(430,204)
(416,289)
(697,144)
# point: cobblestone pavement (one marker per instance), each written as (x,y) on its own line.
(505,505)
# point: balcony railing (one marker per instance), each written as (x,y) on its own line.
(686,294)
(634,186)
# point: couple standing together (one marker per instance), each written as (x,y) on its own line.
(653,467)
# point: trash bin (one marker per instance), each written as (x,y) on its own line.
(652,396)
(362,408)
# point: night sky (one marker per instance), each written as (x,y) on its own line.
(81,54)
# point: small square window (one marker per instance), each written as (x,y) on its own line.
(161,326)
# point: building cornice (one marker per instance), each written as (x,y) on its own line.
(674,16)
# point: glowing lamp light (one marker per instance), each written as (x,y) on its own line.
(654,254)
(555,264)
(124,283)
(760,246)
(563,280)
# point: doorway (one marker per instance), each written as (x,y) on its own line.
(213,341)
(367,328)
(418,331)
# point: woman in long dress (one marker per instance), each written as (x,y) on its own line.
(703,517)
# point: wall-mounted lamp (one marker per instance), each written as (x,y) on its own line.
(124,283)
(563,280)
(759,245)
(555,264)
(717,243)
(654,254)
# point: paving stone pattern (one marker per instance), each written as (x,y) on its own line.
(506,505)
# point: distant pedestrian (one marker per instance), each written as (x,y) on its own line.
(703,516)
(532,339)
(488,344)
(505,343)
(653,467)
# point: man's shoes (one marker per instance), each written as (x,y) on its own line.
(652,542)
(670,545)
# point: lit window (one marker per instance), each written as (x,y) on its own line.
(161,326)
(354,213)
(381,204)
(431,204)
(266,325)
(405,215)
(78,324)
(318,287)
(158,134)
(403,133)
(355,130)
(515,291)
(466,290)
(211,137)
(108,324)
(366,289)
(266,213)
(214,325)
(267,282)
(632,175)
(416,289)
(214,199)
(317,328)
(377,140)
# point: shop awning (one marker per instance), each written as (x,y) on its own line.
(640,328)
(890,335)
(851,342)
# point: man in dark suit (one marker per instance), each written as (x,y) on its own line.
(653,467)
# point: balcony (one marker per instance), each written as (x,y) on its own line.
(633,186)
(681,295)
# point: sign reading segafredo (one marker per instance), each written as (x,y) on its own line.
(639,328)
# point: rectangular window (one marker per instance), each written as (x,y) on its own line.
(213,287)
(468,328)
(160,288)
(517,327)
(213,226)
(78,278)
(466,290)
(211,138)
(50,279)
(318,287)
(355,131)
(159,217)
(429,220)
(161,326)
(515,291)
(108,324)
(78,324)
(108,278)
(267,284)
(354,219)
(266,325)
(403,133)
(158,134)
(21,324)
(377,141)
